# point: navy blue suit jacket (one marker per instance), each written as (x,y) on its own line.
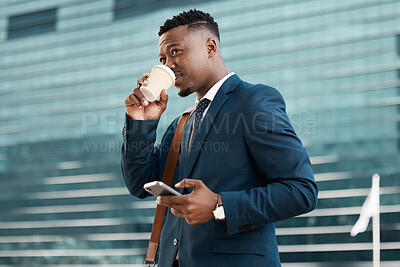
(246,150)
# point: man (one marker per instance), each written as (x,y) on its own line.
(239,150)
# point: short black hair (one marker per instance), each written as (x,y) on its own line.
(194,19)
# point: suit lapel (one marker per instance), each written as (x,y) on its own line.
(208,120)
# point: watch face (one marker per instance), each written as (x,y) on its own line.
(219,213)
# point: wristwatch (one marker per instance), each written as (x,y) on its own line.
(219,213)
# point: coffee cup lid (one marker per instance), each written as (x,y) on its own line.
(168,70)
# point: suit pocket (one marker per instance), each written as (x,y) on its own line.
(238,246)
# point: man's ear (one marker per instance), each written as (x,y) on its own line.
(212,47)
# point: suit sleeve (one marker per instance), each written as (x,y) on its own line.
(141,160)
(289,188)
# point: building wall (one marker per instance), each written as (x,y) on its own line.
(62,196)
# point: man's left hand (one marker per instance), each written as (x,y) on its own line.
(195,207)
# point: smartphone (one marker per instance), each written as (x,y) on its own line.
(159,188)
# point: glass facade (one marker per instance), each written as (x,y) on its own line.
(62,195)
(31,23)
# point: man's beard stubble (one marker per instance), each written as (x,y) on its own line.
(185,93)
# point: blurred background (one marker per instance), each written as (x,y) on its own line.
(66,67)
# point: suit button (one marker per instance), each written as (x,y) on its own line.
(175,241)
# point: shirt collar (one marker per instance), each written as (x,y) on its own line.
(214,89)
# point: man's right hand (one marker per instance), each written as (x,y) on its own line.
(138,108)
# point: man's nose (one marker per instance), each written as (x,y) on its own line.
(170,64)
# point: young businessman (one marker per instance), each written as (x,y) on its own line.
(241,166)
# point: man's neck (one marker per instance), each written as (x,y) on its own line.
(215,78)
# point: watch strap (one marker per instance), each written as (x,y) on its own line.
(219,200)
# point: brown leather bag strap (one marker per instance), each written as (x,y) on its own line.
(167,178)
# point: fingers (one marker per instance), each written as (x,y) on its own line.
(140,97)
(175,203)
(136,98)
(132,100)
(195,207)
(177,212)
(170,201)
(143,80)
(163,99)
(189,183)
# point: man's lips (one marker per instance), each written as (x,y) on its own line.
(178,75)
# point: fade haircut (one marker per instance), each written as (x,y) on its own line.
(195,19)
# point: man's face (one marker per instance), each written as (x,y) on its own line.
(185,52)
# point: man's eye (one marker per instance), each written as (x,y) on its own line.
(162,60)
(174,51)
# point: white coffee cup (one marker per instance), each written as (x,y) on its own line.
(161,77)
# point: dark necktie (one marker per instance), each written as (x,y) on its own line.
(198,114)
